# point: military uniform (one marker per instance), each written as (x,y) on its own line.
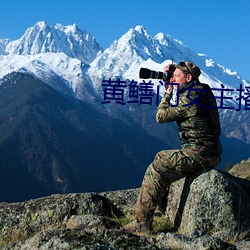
(199,130)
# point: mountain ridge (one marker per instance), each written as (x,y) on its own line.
(54,144)
(42,38)
(135,49)
(129,131)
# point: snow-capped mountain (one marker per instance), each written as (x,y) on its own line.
(75,57)
(62,134)
(57,55)
(70,40)
(63,73)
(71,61)
(137,49)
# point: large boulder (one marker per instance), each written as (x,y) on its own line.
(210,202)
(19,221)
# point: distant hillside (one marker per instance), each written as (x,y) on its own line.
(52,144)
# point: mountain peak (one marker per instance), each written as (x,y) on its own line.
(128,52)
(69,28)
(41,24)
(140,29)
(42,38)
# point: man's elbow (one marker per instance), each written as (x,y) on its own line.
(159,118)
(163,117)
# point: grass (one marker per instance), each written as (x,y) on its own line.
(160,223)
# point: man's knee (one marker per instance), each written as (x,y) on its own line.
(162,160)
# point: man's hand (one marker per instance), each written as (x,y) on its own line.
(166,68)
(169,88)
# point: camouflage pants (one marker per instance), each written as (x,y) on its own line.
(167,167)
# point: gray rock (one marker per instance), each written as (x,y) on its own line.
(212,202)
(178,241)
(124,199)
(241,169)
(243,245)
(63,239)
(90,221)
(20,220)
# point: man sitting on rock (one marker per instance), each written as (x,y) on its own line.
(193,106)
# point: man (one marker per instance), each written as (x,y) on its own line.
(199,130)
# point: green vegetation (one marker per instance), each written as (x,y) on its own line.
(160,223)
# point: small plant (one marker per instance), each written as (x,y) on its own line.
(162,224)
(123,220)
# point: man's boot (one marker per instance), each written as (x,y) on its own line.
(142,222)
(137,226)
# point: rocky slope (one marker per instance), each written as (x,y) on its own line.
(241,169)
(207,211)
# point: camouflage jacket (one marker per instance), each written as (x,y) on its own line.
(199,125)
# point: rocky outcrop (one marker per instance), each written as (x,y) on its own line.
(241,169)
(209,210)
(211,202)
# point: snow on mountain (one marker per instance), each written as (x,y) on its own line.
(42,38)
(63,73)
(3,43)
(73,56)
(124,54)
(137,49)
(70,61)
(179,52)
(57,55)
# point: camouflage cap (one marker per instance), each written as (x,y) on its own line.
(189,68)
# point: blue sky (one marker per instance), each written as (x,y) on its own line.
(218,28)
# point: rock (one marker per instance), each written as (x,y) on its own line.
(212,202)
(85,239)
(241,169)
(178,241)
(209,210)
(90,221)
(123,199)
(243,245)
(20,220)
